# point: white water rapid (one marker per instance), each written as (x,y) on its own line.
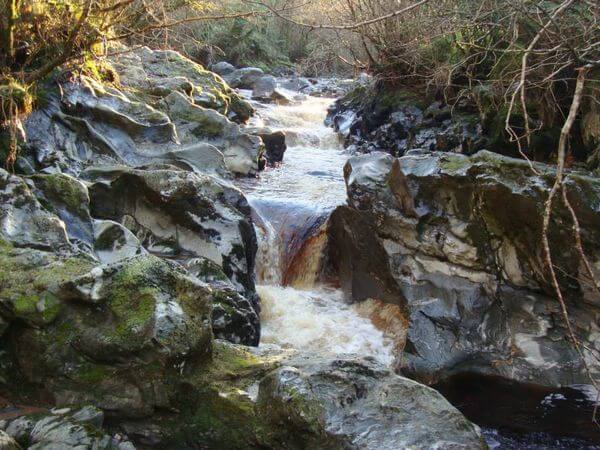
(289,201)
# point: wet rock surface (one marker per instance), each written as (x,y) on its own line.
(285,400)
(356,403)
(471,273)
(126,255)
(180,215)
(457,241)
(275,145)
(88,123)
(375,119)
(61,429)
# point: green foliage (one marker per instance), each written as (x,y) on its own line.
(247,43)
(15,98)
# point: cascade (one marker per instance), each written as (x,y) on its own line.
(291,204)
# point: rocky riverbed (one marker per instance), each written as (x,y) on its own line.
(128,306)
(155,228)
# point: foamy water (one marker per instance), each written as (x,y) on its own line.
(319,320)
(287,200)
(312,169)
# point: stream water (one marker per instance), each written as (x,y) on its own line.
(290,202)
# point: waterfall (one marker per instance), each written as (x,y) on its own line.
(291,204)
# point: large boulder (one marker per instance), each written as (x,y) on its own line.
(222,68)
(274,142)
(266,90)
(234,317)
(68,198)
(180,215)
(282,400)
(355,403)
(244,78)
(458,244)
(157,73)
(242,152)
(94,124)
(108,337)
(374,118)
(167,109)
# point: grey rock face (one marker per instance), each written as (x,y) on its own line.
(353,403)
(241,152)
(181,215)
(60,429)
(266,89)
(372,119)
(23,220)
(297,84)
(113,242)
(234,318)
(274,141)
(68,198)
(462,243)
(87,123)
(91,124)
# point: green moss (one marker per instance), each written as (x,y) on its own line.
(64,188)
(454,163)
(207,127)
(91,373)
(39,309)
(241,107)
(134,310)
(100,70)
(64,332)
(14,97)
(25,305)
(222,302)
(28,278)
(207,83)
(218,419)
(215,410)
(230,361)
(132,297)
(208,271)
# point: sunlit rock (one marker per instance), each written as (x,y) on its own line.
(458,240)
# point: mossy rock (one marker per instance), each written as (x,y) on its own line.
(149,72)
(208,123)
(63,189)
(112,336)
(216,405)
(30,279)
(14,97)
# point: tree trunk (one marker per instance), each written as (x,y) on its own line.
(7,37)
